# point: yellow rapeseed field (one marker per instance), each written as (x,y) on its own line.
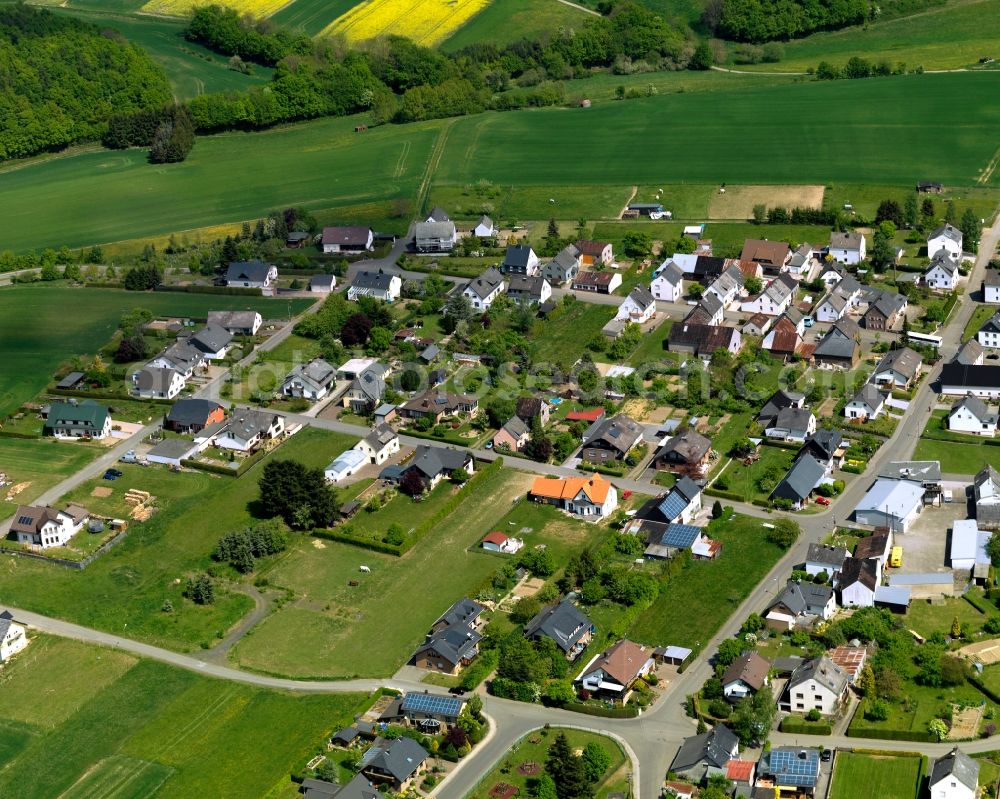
(181,8)
(426,22)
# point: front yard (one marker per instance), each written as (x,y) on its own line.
(883,776)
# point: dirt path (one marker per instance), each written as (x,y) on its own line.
(635,191)
(584,9)
(262,607)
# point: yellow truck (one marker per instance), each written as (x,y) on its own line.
(896,557)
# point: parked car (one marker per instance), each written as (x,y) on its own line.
(112,474)
(826,755)
(822,501)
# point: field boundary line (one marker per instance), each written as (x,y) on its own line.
(433,161)
(401,161)
(989,169)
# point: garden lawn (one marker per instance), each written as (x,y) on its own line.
(42,463)
(42,327)
(401,510)
(958,458)
(534,749)
(924,704)
(119,726)
(332,629)
(563,339)
(651,349)
(926,618)
(714,587)
(125,589)
(977,320)
(857,775)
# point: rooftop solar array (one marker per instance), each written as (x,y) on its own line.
(432,704)
(672,506)
(680,536)
(791,768)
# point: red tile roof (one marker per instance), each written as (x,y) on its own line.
(740,770)
(496,537)
(585,416)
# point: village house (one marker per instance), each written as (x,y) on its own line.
(868,403)
(827,447)
(989,334)
(438,214)
(991,286)
(847,248)
(311,381)
(251,275)
(347,239)
(960,380)
(757,325)
(212,341)
(800,603)
(703,756)
(817,684)
(947,239)
(668,283)
(802,262)
(597,282)
(238,323)
(435,405)
(898,369)
(565,624)
(322,284)
(86,419)
(701,340)
(771,255)
(663,541)
(775,299)
(885,309)
(432,465)
(245,431)
(610,439)
(784,339)
(193,415)
(45,527)
(954,776)
(582,496)
(680,505)
(377,285)
(792,424)
(791,770)
(484,289)
(520,259)
(484,229)
(379,445)
(971,415)
(708,311)
(857,582)
(394,763)
(779,401)
(802,478)
(942,273)
(435,236)
(638,307)
(595,253)
(528,290)
(727,287)
(513,435)
(613,673)
(822,558)
(839,347)
(430,713)
(13,637)
(453,641)
(971,353)
(366,389)
(745,676)
(182,357)
(687,452)
(153,382)
(564,267)
(986,493)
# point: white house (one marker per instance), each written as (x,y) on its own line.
(991,286)
(12,637)
(954,776)
(986,491)
(798,603)
(639,306)
(745,676)
(45,527)
(344,465)
(180,356)
(484,289)
(582,496)
(437,236)
(154,382)
(824,558)
(347,239)
(251,274)
(832,307)
(971,415)
(212,341)
(668,283)
(322,284)
(727,286)
(847,248)
(380,444)
(942,274)
(858,581)
(947,238)
(520,259)
(898,369)
(868,403)
(773,300)
(244,431)
(380,285)
(484,228)
(818,684)
(239,323)
(792,424)
(613,672)
(311,381)
(989,334)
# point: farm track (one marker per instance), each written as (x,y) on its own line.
(433,161)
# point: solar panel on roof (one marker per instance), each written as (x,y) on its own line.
(672,505)
(788,766)
(680,536)
(433,704)
(25,520)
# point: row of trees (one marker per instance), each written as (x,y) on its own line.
(62,79)
(765,20)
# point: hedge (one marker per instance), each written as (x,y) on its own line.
(363,543)
(239,471)
(979,603)
(234,290)
(105,395)
(793,724)
(781,444)
(587,466)
(718,492)
(984,689)
(920,736)
(626,712)
(884,752)
(16,434)
(481,668)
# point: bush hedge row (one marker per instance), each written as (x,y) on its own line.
(793,724)
(920,736)
(626,712)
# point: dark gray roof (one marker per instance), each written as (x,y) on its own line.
(869,396)
(183,355)
(959,765)
(523,284)
(845,241)
(942,260)
(798,597)
(779,400)
(948,231)
(823,444)
(253,271)
(319,789)
(887,303)
(247,422)
(432,461)
(793,419)
(516,427)
(153,378)
(827,556)
(992,277)
(690,445)
(641,296)
(488,282)
(991,325)
(839,342)
(317,372)
(801,479)
(970,353)
(373,281)
(714,747)
(380,435)
(352,236)
(454,643)
(619,432)
(824,671)
(70,380)
(976,407)
(438,214)
(956,374)
(711,303)
(672,273)
(563,622)
(518,255)
(371,383)
(399,758)
(567,258)
(858,570)
(465,611)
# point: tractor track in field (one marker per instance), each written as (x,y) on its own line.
(433,161)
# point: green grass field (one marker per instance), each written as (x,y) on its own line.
(958,458)
(859,776)
(715,587)
(191,68)
(125,590)
(534,749)
(42,464)
(37,333)
(334,630)
(949,36)
(889,131)
(109,724)
(505,21)
(564,339)
(311,16)
(928,619)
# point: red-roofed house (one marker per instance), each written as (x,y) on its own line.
(850,658)
(498,542)
(585,416)
(741,770)
(595,253)
(682,790)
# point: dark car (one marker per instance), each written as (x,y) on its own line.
(112,474)
(826,755)
(457,690)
